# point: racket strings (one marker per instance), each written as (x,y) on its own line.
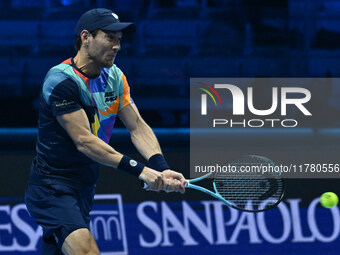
(250,190)
(240,191)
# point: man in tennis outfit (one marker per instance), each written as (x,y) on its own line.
(79,102)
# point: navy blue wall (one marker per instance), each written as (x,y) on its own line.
(175,40)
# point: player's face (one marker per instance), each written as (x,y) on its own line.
(104,48)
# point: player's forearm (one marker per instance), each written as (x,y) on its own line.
(98,150)
(101,152)
(145,140)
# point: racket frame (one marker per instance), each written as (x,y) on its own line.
(188,184)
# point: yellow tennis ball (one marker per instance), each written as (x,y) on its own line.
(329,199)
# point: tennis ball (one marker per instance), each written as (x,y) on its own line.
(329,199)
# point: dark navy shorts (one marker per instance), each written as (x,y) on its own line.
(60,210)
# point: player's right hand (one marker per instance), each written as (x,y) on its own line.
(153,179)
(174,181)
(166,180)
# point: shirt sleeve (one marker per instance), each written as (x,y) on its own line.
(63,97)
(125,97)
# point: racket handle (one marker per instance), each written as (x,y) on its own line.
(145,186)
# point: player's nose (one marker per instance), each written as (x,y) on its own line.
(116,47)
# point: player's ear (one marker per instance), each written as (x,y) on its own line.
(84,35)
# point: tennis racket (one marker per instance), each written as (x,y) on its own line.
(252,191)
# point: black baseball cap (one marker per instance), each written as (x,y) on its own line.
(104,19)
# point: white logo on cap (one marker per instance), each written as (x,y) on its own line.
(115,16)
(133,163)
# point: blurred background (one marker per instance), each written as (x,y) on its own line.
(176,40)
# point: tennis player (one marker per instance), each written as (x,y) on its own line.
(79,102)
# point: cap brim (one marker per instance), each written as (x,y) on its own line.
(121,26)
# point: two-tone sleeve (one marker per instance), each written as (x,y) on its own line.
(124,96)
(63,96)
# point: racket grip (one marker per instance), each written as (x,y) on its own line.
(145,186)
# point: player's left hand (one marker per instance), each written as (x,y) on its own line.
(173,181)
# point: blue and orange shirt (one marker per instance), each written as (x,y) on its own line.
(67,89)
